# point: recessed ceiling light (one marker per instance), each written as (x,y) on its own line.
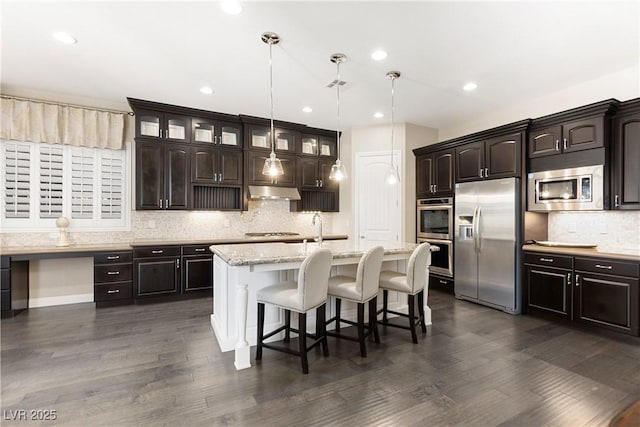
(206,90)
(378,115)
(65,38)
(307,109)
(231,7)
(379,55)
(470,86)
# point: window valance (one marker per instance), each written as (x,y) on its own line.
(39,121)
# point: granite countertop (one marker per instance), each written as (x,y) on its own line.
(276,253)
(590,252)
(34,250)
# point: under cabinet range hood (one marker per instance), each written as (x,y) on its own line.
(268,192)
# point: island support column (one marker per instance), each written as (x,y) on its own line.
(243,350)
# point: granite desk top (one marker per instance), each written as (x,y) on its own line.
(276,253)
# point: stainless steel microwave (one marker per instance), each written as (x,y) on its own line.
(575,189)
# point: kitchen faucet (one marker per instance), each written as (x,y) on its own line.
(313,222)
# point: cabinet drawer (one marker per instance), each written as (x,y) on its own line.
(548,260)
(113,291)
(112,273)
(161,251)
(445,282)
(605,266)
(196,250)
(112,257)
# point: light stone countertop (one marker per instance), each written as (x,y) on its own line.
(277,253)
(590,252)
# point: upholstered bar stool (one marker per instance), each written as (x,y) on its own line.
(308,293)
(360,289)
(414,282)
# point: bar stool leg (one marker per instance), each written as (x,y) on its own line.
(412,318)
(421,311)
(321,328)
(338,304)
(373,319)
(287,324)
(302,336)
(363,348)
(385,300)
(260,330)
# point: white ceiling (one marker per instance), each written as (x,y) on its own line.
(165,51)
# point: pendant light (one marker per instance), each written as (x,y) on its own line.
(392,177)
(338,171)
(272,165)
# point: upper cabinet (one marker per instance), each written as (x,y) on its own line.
(258,137)
(318,145)
(497,157)
(625,156)
(163,125)
(209,131)
(567,137)
(435,174)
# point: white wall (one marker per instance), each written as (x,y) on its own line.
(622,85)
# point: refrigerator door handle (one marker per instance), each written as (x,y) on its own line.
(474,223)
(478,236)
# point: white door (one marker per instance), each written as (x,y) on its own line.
(378,210)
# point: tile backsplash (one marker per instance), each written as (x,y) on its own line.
(612,231)
(272,215)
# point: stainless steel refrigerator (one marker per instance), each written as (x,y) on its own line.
(486,264)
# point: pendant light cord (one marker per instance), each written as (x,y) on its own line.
(338,105)
(271,95)
(393,80)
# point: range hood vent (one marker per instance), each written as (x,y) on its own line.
(267,192)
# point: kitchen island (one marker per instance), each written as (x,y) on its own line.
(241,270)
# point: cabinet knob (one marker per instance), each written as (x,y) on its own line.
(113,291)
(604,267)
(113,273)
(160,203)
(200,249)
(565,145)
(220,177)
(486,172)
(159,251)
(569,279)
(112,257)
(557,145)
(616,201)
(546,259)
(481,172)
(577,280)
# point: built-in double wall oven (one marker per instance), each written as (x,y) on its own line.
(435,226)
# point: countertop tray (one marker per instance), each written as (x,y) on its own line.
(565,245)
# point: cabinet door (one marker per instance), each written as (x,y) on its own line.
(203,130)
(443,173)
(149,175)
(503,156)
(308,145)
(149,124)
(549,289)
(626,152)
(470,162)
(289,167)
(229,134)
(198,273)
(327,147)
(308,172)
(204,162)
(583,134)
(545,142)
(604,300)
(254,162)
(177,176)
(156,276)
(177,128)
(230,166)
(287,140)
(324,171)
(424,174)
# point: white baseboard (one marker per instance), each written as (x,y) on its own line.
(61,300)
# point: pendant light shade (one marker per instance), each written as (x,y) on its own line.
(338,171)
(272,165)
(392,176)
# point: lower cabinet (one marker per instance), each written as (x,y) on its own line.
(172,271)
(596,291)
(112,278)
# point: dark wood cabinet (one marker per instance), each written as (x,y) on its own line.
(163,125)
(219,166)
(197,268)
(210,131)
(548,283)
(598,291)
(435,174)
(14,286)
(259,138)
(567,137)
(497,157)
(254,162)
(626,156)
(162,175)
(112,278)
(156,271)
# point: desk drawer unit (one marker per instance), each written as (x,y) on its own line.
(112,277)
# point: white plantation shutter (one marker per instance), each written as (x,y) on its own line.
(41,182)
(112,174)
(17,179)
(82,185)
(50,172)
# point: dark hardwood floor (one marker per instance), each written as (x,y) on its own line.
(160,365)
